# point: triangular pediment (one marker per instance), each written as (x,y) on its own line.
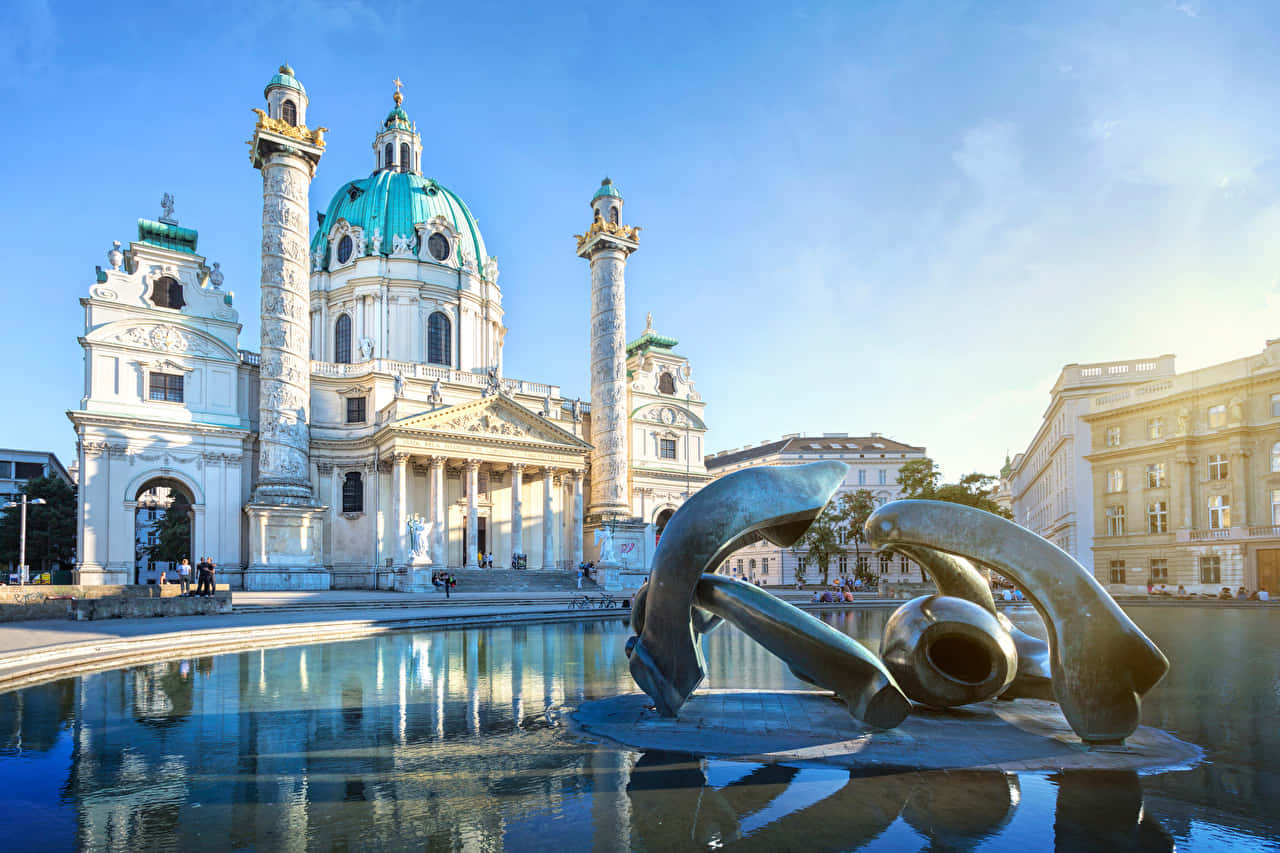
(496,418)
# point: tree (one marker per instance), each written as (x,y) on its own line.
(51,528)
(855,509)
(840,522)
(822,540)
(173,535)
(919,479)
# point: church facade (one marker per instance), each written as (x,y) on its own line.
(373,436)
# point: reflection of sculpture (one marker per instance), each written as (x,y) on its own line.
(1101,662)
(418,535)
(666,659)
(604,538)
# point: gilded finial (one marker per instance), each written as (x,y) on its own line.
(399,98)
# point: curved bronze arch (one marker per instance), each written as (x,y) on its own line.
(777,504)
(1102,663)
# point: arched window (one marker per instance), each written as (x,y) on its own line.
(353,492)
(1275,456)
(613,215)
(388,155)
(342,340)
(406,157)
(289,112)
(166,293)
(439,339)
(666,384)
(344,249)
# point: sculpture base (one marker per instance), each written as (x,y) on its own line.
(285,547)
(627,569)
(798,725)
(411,579)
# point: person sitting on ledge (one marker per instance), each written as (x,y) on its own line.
(848,596)
(1263,595)
(817,597)
(1182,591)
(1242,594)
(1224,594)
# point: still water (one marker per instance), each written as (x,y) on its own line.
(457,740)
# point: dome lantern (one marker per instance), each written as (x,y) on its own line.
(397,146)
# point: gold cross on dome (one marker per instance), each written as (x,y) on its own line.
(398,97)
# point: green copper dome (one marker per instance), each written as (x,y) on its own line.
(284,77)
(398,118)
(394,203)
(607,189)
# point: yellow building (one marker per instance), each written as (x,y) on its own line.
(1186,478)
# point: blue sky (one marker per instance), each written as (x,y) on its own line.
(899,217)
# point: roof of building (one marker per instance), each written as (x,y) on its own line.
(167,235)
(284,77)
(607,189)
(397,118)
(56,468)
(812,444)
(394,202)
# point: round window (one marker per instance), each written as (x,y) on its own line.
(438,246)
(344,249)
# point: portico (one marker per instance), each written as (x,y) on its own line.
(456,482)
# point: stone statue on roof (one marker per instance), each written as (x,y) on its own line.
(166,207)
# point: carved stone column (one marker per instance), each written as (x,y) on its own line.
(606,246)
(1239,488)
(283,511)
(575,529)
(439,525)
(548,520)
(472,473)
(399,501)
(517,509)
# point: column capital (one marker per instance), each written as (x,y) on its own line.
(548,472)
(400,458)
(472,464)
(517,467)
(438,462)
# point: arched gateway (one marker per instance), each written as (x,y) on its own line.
(163,528)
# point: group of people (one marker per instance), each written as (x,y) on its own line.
(445,581)
(585,570)
(485,560)
(205,570)
(833,596)
(1224,594)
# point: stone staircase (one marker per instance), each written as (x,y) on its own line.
(509,580)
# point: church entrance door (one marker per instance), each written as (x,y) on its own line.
(482,538)
(162,530)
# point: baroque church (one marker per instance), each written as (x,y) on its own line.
(373,435)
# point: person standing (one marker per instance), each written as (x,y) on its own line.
(204,579)
(213,570)
(184,575)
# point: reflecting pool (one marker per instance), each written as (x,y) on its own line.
(458,740)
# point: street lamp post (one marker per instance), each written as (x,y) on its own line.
(22,538)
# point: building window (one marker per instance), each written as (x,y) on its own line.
(1155,427)
(764,566)
(1275,405)
(439,339)
(864,564)
(1275,457)
(884,477)
(1211,570)
(166,293)
(666,384)
(1113,436)
(388,155)
(1219,513)
(166,387)
(289,112)
(801,565)
(406,159)
(344,249)
(738,570)
(666,448)
(1159,570)
(1217,416)
(751,568)
(1218,467)
(1115,480)
(355,410)
(1157,517)
(885,559)
(353,493)
(862,477)
(1155,476)
(438,246)
(1117,571)
(905,566)
(1275,506)
(1115,521)
(342,340)
(844,564)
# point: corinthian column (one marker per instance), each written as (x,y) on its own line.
(517,509)
(548,521)
(575,529)
(473,513)
(439,533)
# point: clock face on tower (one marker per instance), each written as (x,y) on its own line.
(669,416)
(165,338)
